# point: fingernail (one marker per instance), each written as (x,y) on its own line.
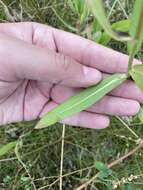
(92,76)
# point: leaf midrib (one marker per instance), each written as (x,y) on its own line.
(100,89)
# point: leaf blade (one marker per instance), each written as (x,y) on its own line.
(97,8)
(6,148)
(120,26)
(137,75)
(82,100)
(140,114)
(101,166)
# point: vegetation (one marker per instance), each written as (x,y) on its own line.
(107,159)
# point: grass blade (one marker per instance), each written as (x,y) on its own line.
(137,74)
(97,8)
(7,148)
(82,100)
(80,8)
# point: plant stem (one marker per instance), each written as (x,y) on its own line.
(136,40)
(131,56)
(62,157)
(125,124)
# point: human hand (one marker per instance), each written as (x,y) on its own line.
(41,67)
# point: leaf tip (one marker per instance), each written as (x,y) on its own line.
(40,126)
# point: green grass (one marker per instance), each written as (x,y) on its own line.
(36,162)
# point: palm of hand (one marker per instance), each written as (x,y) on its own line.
(24,99)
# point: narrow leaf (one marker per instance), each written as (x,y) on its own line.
(140,114)
(97,36)
(137,74)
(97,9)
(82,100)
(136,27)
(80,8)
(7,148)
(121,27)
(71,28)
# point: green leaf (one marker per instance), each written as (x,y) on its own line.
(102,175)
(7,148)
(137,75)
(97,36)
(71,28)
(104,170)
(97,31)
(80,8)
(82,100)
(120,26)
(97,8)
(96,26)
(84,12)
(140,114)
(136,27)
(100,166)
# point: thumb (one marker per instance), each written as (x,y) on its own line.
(22,60)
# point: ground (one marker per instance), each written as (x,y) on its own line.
(35,163)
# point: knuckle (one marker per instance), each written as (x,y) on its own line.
(65,62)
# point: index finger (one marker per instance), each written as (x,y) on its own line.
(90,53)
(82,50)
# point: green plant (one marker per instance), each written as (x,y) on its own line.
(80,8)
(93,94)
(7,148)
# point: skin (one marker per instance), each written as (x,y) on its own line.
(41,67)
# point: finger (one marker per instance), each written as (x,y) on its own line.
(116,106)
(83,119)
(129,90)
(108,105)
(88,120)
(21,30)
(21,60)
(91,53)
(82,50)
(33,35)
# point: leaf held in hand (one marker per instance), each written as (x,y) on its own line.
(97,8)
(137,74)
(81,101)
(7,148)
